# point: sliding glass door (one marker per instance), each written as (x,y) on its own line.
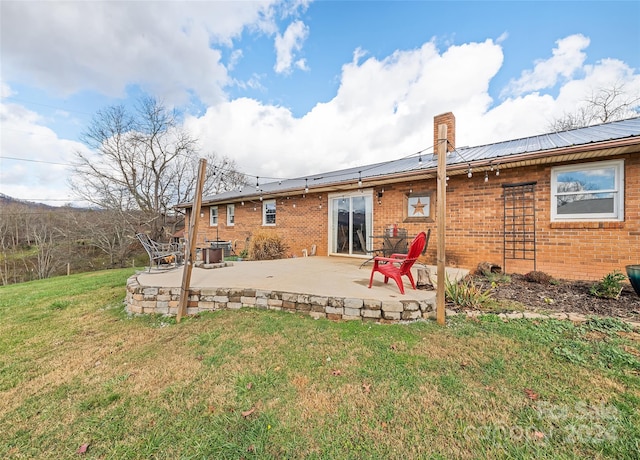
(350,222)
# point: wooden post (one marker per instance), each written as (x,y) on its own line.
(192,232)
(441,221)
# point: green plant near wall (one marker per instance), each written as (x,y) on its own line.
(610,286)
(466,294)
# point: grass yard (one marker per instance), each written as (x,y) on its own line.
(81,379)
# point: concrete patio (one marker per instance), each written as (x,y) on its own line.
(333,287)
(324,276)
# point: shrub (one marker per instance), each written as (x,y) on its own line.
(538,277)
(266,245)
(466,294)
(610,286)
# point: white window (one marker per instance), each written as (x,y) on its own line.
(591,191)
(269,212)
(231,214)
(213,216)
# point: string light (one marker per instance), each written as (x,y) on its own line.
(492,167)
(486,176)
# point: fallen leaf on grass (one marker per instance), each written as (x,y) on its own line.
(211,408)
(531,394)
(249,385)
(394,347)
(538,434)
(336,372)
(247,413)
(366,387)
(83,448)
(251,448)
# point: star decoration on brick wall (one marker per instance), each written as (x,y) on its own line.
(418,208)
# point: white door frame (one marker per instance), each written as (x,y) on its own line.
(331,227)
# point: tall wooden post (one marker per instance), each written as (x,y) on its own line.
(192,233)
(441,221)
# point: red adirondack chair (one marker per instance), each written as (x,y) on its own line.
(399,265)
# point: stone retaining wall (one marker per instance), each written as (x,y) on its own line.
(164,301)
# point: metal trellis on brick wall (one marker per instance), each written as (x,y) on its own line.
(519,222)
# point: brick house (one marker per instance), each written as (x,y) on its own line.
(565,203)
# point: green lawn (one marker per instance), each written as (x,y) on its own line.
(77,373)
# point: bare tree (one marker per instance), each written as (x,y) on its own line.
(109,231)
(604,105)
(144,160)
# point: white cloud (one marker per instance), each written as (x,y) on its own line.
(384,110)
(287,44)
(165,47)
(5,90)
(568,58)
(42,169)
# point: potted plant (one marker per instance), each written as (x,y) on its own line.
(633,272)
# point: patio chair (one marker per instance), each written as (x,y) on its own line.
(399,265)
(363,245)
(160,252)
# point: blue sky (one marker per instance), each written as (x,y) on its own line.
(295,88)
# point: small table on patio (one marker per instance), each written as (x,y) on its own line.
(398,244)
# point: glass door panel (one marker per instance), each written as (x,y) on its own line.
(350,223)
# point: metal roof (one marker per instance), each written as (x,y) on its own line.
(499,152)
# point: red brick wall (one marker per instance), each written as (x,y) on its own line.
(581,250)
(576,250)
(300,220)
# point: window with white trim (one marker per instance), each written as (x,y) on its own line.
(213,216)
(231,214)
(269,212)
(588,192)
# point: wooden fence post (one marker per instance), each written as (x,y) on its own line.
(193,228)
(441,222)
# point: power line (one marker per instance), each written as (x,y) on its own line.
(35,161)
(14,99)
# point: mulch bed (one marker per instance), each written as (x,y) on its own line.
(564,296)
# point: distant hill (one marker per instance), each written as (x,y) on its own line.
(6,200)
